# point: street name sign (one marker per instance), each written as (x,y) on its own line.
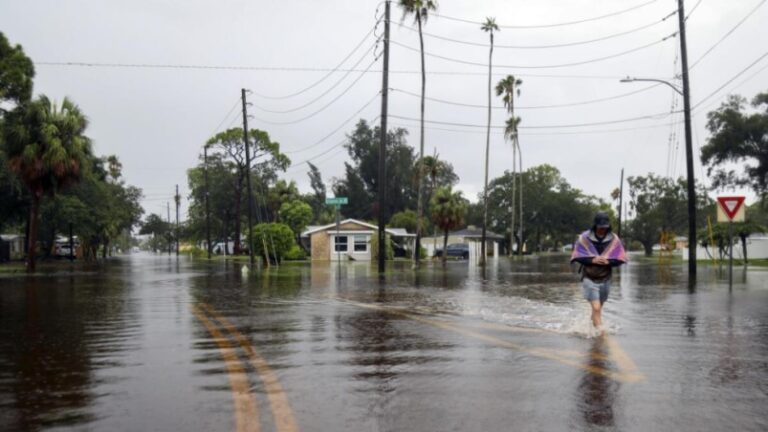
(730,209)
(336,201)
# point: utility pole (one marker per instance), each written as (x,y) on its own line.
(177,198)
(688,148)
(207,198)
(383,142)
(621,199)
(248,177)
(168,208)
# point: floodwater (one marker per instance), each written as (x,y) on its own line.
(158,343)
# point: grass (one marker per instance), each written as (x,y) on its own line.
(12,267)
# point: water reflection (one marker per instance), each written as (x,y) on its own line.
(596,394)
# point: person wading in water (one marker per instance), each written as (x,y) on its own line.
(598,251)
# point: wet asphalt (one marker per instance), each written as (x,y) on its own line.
(150,342)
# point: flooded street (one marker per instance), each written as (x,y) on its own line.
(150,342)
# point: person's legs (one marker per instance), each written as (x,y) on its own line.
(592,294)
(597,317)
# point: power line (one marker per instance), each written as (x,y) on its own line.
(731,79)
(561,126)
(326,151)
(581,132)
(323,108)
(330,72)
(330,89)
(560,24)
(725,36)
(585,102)
(337,128)
(304,69)
(560,45)
(552,66)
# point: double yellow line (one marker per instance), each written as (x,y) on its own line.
(246,409)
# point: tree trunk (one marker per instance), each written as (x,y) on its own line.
(483,253)
(744,247)
(445,247)
(520,188)
(512,202)
(648,246)
(419,199)
(33,213)
(104,249)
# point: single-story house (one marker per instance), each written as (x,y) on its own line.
(471,236)
(353,242)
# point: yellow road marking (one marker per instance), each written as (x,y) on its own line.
(626,375)
(278,401)
(622,359)
(246,412)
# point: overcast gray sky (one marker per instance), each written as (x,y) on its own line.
(157,119)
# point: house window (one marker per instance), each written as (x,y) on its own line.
(361,243)
(340,243)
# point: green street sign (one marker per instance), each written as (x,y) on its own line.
(336,201)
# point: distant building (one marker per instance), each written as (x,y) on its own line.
(353,242)
(11,246)
(471,236)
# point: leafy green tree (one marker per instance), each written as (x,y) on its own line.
(281,193)
(266,162)
(360,182)
(272,241)
(222,179)
(159,229)
(297,215)
(507,88)
(448,211)
(660,205)
(738,137)
(420,10)
(47,150)
(440,174)
(317,197)
(407,219)
(16,74)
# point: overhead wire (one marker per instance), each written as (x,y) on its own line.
(733,78)
(727,34)
(570,104)
(324,152)
(560,24)
(546,46)
(527,134)
(551,66)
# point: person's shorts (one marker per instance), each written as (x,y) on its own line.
(596,290)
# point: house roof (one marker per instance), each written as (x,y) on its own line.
(398,232)
(474,232)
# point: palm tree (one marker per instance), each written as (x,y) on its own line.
(47,151)
(420,10)
(507,88)
(489,26)
(448,209)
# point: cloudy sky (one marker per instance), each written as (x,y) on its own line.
(312,69)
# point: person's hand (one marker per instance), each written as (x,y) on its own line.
(600,260)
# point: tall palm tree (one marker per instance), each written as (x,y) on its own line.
(420,10)
(489,26)
(507,88)
(47,151)
(448,209)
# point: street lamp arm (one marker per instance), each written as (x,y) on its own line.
(674,87)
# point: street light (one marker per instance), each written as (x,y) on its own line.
(685,93)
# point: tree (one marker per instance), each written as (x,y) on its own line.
(158,228)
(660,205)
(297,215)
(448,211)
(281,193)
(360,182)
(489,26)
(407,219)
(272,240)
(738,137)
(16,74)
(420,10)
(222,177)
(269,160)
(47,150)
(317,198)
(507,88)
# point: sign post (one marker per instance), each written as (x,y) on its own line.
(337,202)
(730,209)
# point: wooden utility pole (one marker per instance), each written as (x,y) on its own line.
(383,144)
(168,209)
(688,148)
(248,178)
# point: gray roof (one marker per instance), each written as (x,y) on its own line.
(474,232)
